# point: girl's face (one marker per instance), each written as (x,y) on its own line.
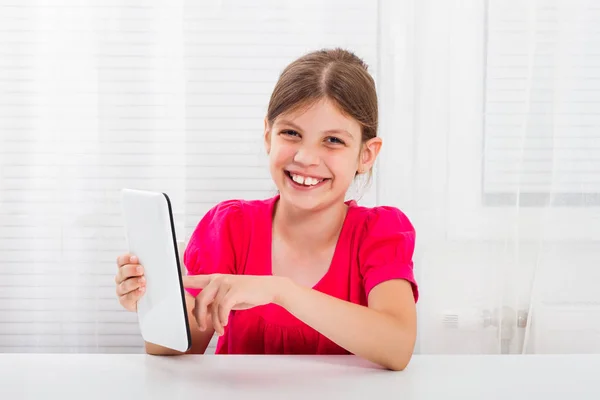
(314,154)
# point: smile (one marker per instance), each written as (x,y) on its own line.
(305,181)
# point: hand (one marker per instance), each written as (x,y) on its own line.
(130,280)
(222,293)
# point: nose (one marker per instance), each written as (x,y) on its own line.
(306,157)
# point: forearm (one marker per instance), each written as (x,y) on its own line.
(200,342)
(374,335)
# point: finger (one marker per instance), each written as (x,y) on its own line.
(214,315)
(204,299)
(130,285)
(130,299)
(208,321)
(128,271)
(126,259)
(216,308)
(197,281)
(123,259)
(225,307)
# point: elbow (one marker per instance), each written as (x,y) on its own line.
(398,358)
(401,353)
(397,366)
(397,363)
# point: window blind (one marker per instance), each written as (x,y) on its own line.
(542,108)
(159,95)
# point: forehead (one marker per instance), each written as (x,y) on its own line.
(320,116)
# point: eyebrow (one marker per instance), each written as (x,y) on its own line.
(329,131)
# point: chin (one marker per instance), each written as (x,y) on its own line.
(304,202)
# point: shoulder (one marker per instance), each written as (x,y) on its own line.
(220,237)
(230,221)
(383,221)
(224,211)
(235,211)
(386,244)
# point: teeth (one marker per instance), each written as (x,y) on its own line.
(298,179)
(308,181)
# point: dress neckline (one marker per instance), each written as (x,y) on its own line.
(341,237)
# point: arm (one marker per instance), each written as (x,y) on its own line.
(200,339)
(384,332)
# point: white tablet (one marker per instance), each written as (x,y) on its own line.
(150,235)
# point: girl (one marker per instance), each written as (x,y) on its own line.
(304,272)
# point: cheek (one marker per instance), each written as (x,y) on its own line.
(280,154)
(343,165)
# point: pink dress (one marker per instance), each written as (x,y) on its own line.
(375,245)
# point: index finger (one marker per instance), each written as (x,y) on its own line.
(123,259)
(196,281)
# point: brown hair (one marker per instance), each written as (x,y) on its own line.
(335,74)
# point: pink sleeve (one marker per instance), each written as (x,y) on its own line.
(387,249)
(212,246)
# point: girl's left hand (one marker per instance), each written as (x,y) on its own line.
(222,293)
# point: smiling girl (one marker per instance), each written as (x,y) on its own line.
(304,272)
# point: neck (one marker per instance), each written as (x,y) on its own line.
(310,229)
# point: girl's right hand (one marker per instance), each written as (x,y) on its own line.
(130,281)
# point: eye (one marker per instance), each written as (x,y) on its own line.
(334,140)
(289,132)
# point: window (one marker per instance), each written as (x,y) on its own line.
(542,104)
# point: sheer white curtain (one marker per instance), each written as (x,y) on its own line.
(491,117)
(489,114)
(92,99)
(163,95)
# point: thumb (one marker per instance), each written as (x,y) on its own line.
(196,281)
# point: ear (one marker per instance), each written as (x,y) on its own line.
(267,136)
(368,155)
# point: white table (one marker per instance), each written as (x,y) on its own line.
(94,376)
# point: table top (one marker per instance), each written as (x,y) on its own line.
(141,376)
